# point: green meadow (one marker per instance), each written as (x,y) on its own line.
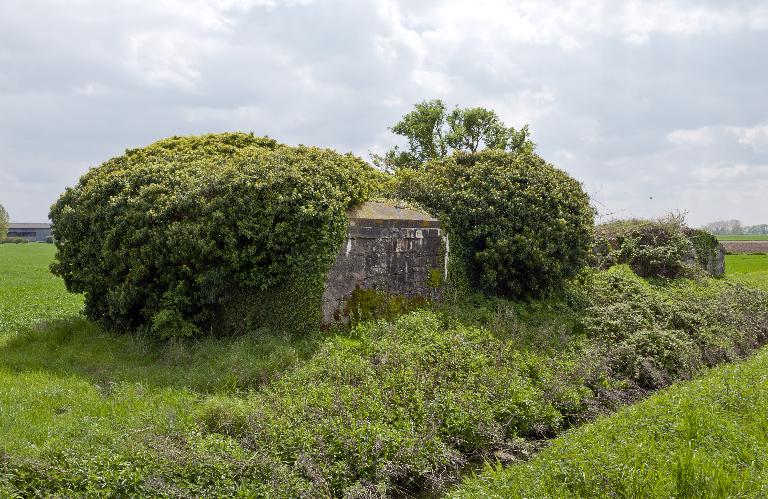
(750,270)
(29,293)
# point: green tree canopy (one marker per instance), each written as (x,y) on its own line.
(4,221)
(434,133)
(518,226)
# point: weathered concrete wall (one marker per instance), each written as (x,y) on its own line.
(390,249)
(715,264)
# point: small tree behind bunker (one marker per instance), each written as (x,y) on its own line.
(434,133)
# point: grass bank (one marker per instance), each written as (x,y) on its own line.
(703,438)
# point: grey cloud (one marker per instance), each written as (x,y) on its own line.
(603,91)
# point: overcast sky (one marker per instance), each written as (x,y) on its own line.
(654,106)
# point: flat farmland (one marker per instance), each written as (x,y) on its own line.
(745,246)
(750,270)
(29,293)
(744,237)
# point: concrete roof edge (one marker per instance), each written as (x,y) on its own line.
(376,210)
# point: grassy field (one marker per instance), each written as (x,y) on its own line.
(744,237)
(740,264)
(750,270)
(704,438)
(381,409)
(28,291)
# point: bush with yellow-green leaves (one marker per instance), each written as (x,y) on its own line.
(174,237)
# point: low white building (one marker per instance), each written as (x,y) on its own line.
(30,231)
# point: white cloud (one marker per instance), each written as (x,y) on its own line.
(168,59)
(89,88)
(692,136)
(573,24)
(733,178)
(755,137)
(643,19)
(723,172)
(522,106)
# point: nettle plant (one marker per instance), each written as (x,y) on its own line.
(518,226)
(195,234)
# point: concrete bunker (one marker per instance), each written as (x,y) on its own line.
(388,248)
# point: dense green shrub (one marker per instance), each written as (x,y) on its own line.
(705,245)
(14,240)
(654,336)
(190,232)
(653,248)
(518,226)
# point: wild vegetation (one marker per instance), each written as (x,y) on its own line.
(702,438)
(654,248)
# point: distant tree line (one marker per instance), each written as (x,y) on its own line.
(725,227)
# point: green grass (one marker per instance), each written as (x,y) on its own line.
(744,237)
(740,264)
(704,438)
(28,292)
(750,270)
